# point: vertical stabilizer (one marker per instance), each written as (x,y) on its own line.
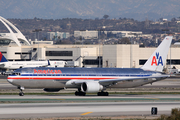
(2,58)
(158,58)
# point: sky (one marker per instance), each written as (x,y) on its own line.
(85,9)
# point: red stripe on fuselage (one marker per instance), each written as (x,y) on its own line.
(56,78)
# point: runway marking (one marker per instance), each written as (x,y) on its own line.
(86,113)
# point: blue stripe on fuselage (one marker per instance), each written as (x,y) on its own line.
(83,75)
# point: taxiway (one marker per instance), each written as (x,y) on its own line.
(89,106)
(45,106)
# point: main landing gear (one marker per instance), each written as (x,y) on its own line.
(80,93)
(102,93)
(21,91)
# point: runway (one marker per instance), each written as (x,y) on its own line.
(89,106)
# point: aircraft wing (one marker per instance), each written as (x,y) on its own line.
(114,81)
(108,82)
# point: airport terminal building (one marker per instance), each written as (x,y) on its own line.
(118,56)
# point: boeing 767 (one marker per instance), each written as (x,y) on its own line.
(93,80)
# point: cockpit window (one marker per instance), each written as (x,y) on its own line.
(13,73)
(18,74)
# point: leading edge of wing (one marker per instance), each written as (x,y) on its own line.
(132,78)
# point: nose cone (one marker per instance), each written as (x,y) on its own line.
(10,80)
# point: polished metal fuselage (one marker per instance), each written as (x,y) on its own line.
(61,77)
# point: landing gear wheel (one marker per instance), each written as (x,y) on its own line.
(103,94)
(79,93)
(106,94)
(21,94)
(76,93)
(82,93)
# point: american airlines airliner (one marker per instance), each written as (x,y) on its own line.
(93,80)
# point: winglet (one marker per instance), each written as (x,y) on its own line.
(2,58)
(48,63)
(158,59)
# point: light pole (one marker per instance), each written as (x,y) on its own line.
(100,41)
(136,34)
(99,53)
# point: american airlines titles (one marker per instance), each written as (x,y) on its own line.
(47,71)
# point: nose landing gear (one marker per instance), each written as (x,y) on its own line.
(21,91)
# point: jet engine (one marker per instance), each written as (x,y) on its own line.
(90,87)
(51,89)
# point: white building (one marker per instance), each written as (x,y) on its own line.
(118,56)
(86,34)
(126,56)
(126,33)
(57,35)
(95,34)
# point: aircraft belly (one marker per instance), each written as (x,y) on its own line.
(39,83)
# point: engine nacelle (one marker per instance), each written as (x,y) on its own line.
(90,87)
(51,89)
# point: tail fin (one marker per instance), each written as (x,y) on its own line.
(48,63)
(158,58)
(2,58)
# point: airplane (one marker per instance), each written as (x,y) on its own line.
(5,64)
(57,63)
(93,80)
